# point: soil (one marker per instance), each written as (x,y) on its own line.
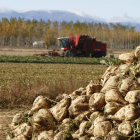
(117,52)
(31,51)
(6,117)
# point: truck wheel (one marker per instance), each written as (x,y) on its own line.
(97,55)
(70,53)
(100,55)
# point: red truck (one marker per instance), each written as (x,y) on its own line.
(82,46)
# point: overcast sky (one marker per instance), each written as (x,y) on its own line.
(106,9)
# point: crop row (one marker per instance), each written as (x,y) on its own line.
(59,60)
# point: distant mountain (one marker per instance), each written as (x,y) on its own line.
(58,15)
(53,15)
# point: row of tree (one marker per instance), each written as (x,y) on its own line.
(19,32)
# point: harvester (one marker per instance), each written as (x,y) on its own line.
(82,46)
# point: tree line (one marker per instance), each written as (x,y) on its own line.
(20,32)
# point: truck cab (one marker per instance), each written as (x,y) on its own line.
(64,43)
(68,47)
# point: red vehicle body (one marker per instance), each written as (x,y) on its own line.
(82,45)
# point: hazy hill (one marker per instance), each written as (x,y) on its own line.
(53,15)
(58,15)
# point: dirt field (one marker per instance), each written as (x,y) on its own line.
(31,51)
(117,52)
(21,52)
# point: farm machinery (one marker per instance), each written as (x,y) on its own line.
(80,46)
(50,53)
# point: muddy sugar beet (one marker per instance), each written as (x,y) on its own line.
(110,110)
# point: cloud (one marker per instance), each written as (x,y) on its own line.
(88,15)
(79,13)
(124,18)
(21,10)
(5,10)
(125,15)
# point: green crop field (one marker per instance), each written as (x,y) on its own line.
(41,59)
(21,83)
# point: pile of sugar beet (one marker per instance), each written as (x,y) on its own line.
(110,110)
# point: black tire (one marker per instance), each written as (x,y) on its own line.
(97,55)
(100,55)
(70,53)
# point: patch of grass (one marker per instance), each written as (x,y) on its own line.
(21,83)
